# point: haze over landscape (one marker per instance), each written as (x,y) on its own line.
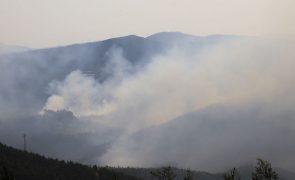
(38,24)
(202,85)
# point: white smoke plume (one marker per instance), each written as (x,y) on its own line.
(240,73)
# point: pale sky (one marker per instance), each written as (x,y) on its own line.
(40,23)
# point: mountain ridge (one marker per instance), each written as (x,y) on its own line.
(8,49)
(154,36)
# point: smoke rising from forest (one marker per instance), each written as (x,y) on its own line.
(236,74)
(236,96)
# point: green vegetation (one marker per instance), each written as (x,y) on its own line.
(264,171)
(5,175)
(189,175)
(20,165)
(165,173)
(232,175)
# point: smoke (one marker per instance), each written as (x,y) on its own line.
(81,94)
(254,87)
(248,82)
(25,81)
(209,108)
(178,82)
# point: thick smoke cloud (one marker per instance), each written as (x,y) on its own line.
(209,108)
(251,78)
(252,86)
(26,79)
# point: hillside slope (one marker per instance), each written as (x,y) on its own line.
(27,81)
(235,126)
(29,166)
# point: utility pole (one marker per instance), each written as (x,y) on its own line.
(25,142)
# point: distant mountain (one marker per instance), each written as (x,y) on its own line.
(189,41)
(195,137)
(172,36)
(32,71)
(26,78)
(37,68)
(7,49)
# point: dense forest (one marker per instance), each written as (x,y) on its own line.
(22,165)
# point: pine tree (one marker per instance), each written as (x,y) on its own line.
(232,175)
(264,171)
(165,173)
(189,175)
(6,175)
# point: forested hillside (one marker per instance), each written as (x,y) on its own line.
(20,165)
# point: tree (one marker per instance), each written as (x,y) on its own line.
(6,175)
(165,173)
(264,171)
(189,175)
(232,175)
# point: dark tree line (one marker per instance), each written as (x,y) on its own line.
(263,171)
(165,173)
(232,175)
(20,165)
(5,174)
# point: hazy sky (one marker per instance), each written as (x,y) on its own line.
(40,23)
